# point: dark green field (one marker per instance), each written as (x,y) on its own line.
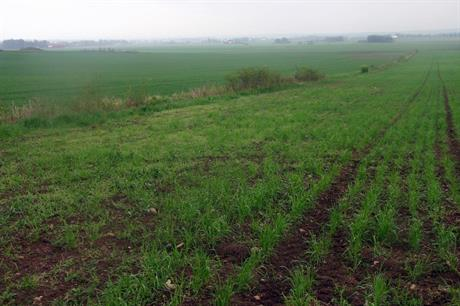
(343,191)
(62,76)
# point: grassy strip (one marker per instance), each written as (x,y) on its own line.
(93,108)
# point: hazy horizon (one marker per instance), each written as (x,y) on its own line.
(159,19)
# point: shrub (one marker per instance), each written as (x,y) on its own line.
(307,74)
(254,79)
(364,69)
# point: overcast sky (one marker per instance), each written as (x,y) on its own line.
(150,19)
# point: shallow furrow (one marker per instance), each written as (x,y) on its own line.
(452,139)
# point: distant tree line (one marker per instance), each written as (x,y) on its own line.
(334,39)
(380,39)
(237,41)
(442,35)
(282,40)
(92,43)
(15,44)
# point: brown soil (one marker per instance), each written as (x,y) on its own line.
(274,282)
(454,144)
(52,264)
(36,259)
(334,272)
(232,252)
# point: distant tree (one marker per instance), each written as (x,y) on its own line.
(17,44)
(379,39)
(11,44)
(282,40)
(39,44)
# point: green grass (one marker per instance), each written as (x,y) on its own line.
(132,209)
(60,76)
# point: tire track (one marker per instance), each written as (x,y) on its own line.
(452,214)
(334,269)
(452,139)
(428,287)
(272,288)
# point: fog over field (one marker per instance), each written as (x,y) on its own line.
(151,19)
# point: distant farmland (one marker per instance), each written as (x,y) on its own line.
(60,76)
(344,190)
